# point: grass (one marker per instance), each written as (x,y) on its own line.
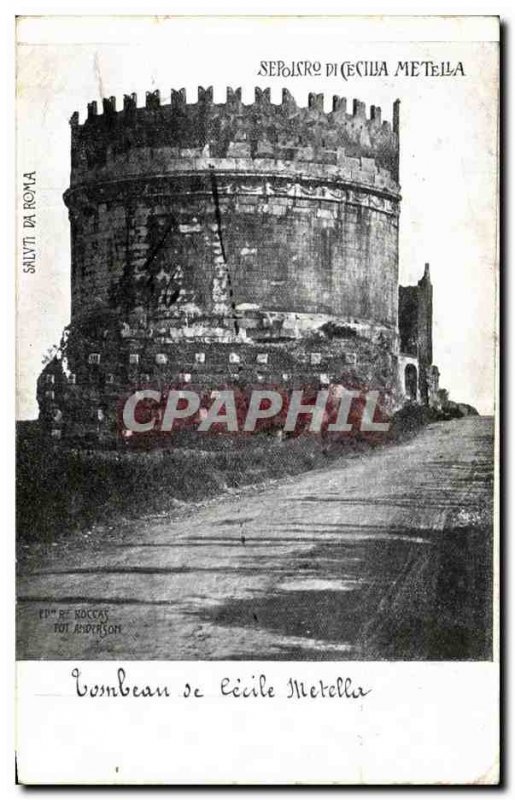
(61,488)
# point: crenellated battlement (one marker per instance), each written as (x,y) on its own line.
(234,129)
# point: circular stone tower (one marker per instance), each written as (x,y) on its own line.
(212,241)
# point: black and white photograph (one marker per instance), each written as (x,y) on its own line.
(257,338)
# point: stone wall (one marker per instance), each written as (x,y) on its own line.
(234,129)
(214,242)
(284,244)
(84,391)
(416,334)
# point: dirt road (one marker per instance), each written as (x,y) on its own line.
(383,556)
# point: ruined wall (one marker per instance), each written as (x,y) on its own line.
(408,320)
(416,333)
(425,318)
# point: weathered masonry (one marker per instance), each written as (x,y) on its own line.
(421,377)
(228,241)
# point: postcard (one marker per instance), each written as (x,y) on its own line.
(257,369)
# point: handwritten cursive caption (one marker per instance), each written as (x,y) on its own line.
(252,687)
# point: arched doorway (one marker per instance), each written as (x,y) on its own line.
(410,381)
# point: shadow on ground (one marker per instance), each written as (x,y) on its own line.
(433,601)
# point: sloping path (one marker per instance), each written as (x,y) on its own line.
(384,556)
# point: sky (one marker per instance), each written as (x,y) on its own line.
(448,136)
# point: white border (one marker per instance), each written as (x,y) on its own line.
(502,7)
